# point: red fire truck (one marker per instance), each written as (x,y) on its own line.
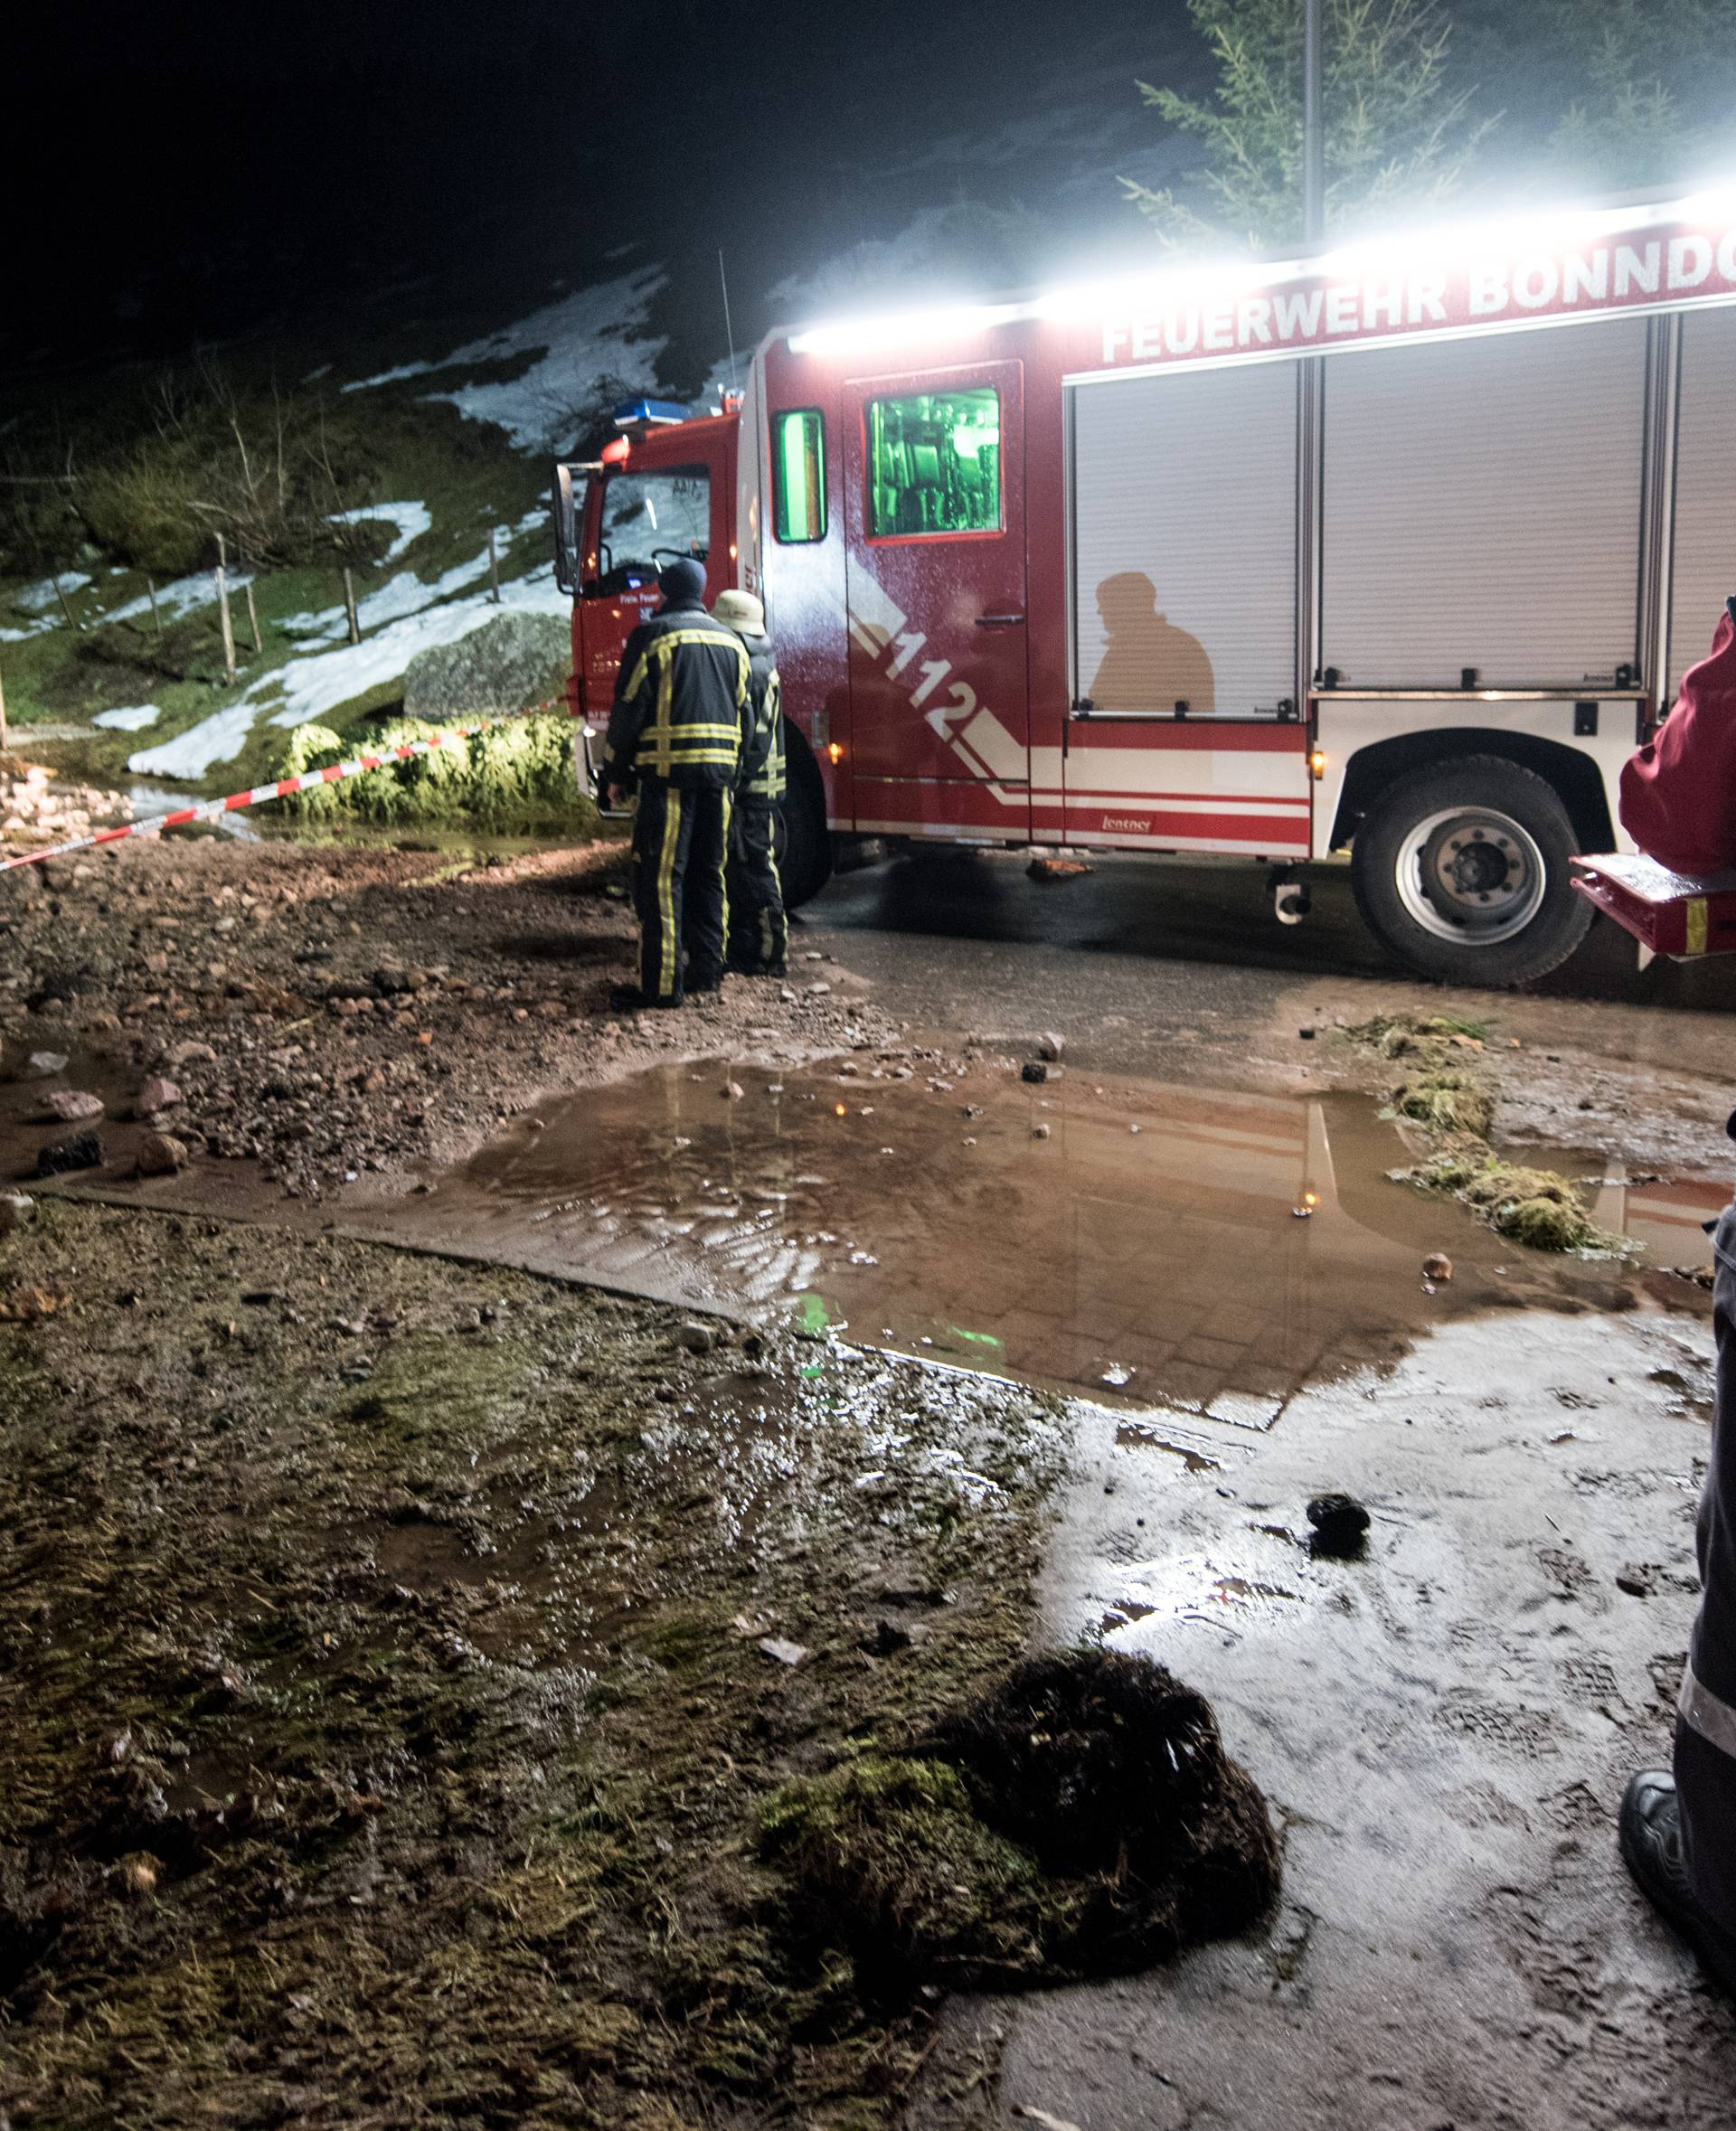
(1395,550)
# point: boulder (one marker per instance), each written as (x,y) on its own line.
(511,662)
(161,1154)
(69,1105)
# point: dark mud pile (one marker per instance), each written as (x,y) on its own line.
(1080,1818)
(330,1012)
(395,1659)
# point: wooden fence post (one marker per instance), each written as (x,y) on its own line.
(253,619)
(349,604)
(223,605)
(77,626)
(3,713)
(494,569)
(156,619)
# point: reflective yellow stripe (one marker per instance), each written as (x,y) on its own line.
(723,870)
(667,893)
(1697,924)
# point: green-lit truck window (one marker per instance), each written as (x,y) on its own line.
(934,463)
(799,474)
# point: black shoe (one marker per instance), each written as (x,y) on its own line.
(700,985)
(1651,1847)
(627,998)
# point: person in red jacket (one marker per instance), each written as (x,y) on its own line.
(1678,1825)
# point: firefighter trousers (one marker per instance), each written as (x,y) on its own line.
(758,930)
(1705,1730)
(680,843)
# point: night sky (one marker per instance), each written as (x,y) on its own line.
(220,171)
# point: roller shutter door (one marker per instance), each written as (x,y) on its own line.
(1184,542)
(1704,556)
(1482,509)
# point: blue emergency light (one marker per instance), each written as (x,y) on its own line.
(632,411)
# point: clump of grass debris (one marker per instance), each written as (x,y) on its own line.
(517,775)
(1447,1094)
(1446,1100)
(1537,1207)
(1081,1818)
(1411,1035)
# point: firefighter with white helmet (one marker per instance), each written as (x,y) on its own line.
(674,735)
(758,929)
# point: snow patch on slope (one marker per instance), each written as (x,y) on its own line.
(131,718)
(411,520)
(580,341)
(180,597)
(217,739)
(314,685)
(37,598)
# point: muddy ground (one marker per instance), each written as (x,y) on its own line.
(397,1657)
(387,1721)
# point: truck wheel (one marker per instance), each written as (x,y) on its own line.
(1461,869)
(805,863)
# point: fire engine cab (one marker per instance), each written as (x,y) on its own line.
(1396,549)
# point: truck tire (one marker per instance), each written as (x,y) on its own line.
(805,864)
(1461,870)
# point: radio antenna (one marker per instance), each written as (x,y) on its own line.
(723,282)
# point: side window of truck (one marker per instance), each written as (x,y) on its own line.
(798,476)
(934,463)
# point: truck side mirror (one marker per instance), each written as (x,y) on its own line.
(566,539)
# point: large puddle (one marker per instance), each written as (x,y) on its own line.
(1147,1244)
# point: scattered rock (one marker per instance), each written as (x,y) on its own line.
(190,1053)
(1050,1045)
(137,1874)
(82,1151)
(156,1095)
(785,1653)
(1039,1069)
(16,1208)
(1056,869)
(697,1338)
(1340,1527)
(1307,1034)
(1437,1267)
(1039,1131)
(160,1154)
(733,1091)
(887,1640)
(45,1063)
(1636,1583)
(71,1104)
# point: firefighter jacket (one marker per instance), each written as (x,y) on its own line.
(1678,793)
(681,698)
(762,726)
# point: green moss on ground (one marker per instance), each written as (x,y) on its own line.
(1446,1100)
(1447,1093)
(384,1729)
(517,775)
(1538,1207)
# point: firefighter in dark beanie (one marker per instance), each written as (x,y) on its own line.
(758,930)
(674,736)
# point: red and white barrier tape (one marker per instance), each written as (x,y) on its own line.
(209,809)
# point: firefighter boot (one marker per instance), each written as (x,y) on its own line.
(706,908)
(759,927)
(662,832)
